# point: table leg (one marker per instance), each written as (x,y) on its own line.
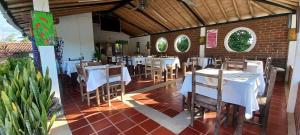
(165,75)
(241,117)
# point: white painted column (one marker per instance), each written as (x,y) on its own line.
(202,47)
(47,53)
(295,76)
(292,49)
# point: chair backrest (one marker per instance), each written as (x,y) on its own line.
(148,62)
(157,62)
(218,61)
(194,60)
(268,65)
(114,71)
(235,65)
(94,63)
(270,87)
(218,86)
(81,71)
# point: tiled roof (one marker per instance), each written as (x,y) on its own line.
(15,47)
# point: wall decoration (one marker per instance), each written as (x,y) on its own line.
(202,40)
(43,27)
(292,34)
(211,40)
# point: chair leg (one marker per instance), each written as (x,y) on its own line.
(97,96)
(122,91)
(108,94)
(81,91)
(218,123)
(88,98)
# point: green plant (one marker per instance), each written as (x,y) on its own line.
(97,55)
(182,44)
(26,98)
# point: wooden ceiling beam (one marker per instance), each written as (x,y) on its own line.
(288,2)
(222,9)
(236,9)
(262,8)
(123,19)
(209,11)
(150,17)
(192,11)
(277,4)
(250,8)
(121,4)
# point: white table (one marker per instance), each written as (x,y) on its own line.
(135,60)
(257,67)
(240,88)
(173,61)
(97,77)
(202,61)
(69,67)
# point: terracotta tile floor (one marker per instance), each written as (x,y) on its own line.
(125,120)
(166,100)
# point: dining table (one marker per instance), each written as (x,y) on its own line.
(239,87)
(201,61)
(169,61)
(96,76)
(69,67)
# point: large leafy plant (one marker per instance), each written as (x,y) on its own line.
(26,98)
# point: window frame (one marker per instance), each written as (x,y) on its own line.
(156,44)
(189,43)
(235,30)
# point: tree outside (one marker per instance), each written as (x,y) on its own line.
(240,40)
(182,44)
(162,45)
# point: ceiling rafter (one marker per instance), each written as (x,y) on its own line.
(123,19)
(193,12)
(262,8)
(222,9)
(121,4)
(180,14)
(209,11)
(236,9)
(277,4)
(250,8)
(150,17)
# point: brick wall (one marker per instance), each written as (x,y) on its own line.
(271,40)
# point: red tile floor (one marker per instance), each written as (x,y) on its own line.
(122,119)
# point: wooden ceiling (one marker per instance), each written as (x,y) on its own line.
(159,15)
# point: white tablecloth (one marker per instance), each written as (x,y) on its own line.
(137,60)
(170,61)
(69,67)
(203,62)
(257,67)
(239,88)
(97,77)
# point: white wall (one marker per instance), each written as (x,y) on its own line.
(77,34)
(143,42)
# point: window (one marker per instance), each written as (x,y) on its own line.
(161,44)
(240,40)
(182,43)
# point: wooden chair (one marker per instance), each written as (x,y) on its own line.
(217,62)
(114,72)
(157,69)
(265,101)
(148,67)
(172,71)
(268,65)
(82,76)
(235,65)
(94,63)
(199,101)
